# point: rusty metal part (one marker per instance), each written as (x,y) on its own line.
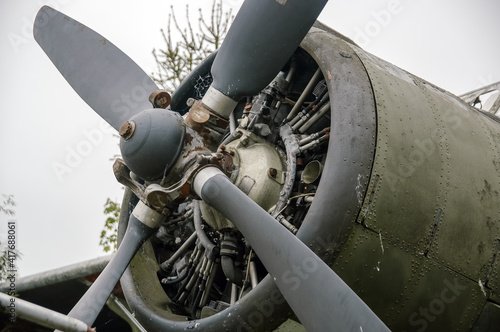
(198,115)
(201,114)
(160,98)
(207,124)
(163,199)
(127,130)
(122,174)
(225,160)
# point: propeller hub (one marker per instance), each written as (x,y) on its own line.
(151,142)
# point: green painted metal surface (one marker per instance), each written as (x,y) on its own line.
(427,233)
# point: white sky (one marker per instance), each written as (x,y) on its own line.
(451,43)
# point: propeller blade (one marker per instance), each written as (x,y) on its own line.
(259,42)
(89,306)
(113,85)
(318,296)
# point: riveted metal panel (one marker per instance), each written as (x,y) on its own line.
(489,320)
(408,162)
(410,293)
(492,280)
(465,238)
(437,298)
(437,169)
(378,270)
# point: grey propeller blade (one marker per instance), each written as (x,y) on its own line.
(142,224)
(317,295)
(113,85)
(260,41)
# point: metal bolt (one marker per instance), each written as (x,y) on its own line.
(345,54)
(273,172)
(160,99)
(127,130)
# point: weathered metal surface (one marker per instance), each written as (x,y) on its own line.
(55,276)
(489,320)
(470,96)
(40,315)
(251,173)
(378,270)
(408,292)
(432,199)
(347,170)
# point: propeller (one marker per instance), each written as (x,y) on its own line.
(143,223)
(319,297)
(261,39)
(111,83)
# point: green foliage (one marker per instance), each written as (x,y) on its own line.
(108,238)
(179,58)
(8,202)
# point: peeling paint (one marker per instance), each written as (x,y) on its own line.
(381,244)
(480,283)
(359,190)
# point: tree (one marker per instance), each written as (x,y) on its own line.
(174,63)
(6,204)
(109,233)
(7,208)
(179,58)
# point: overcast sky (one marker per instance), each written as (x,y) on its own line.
(453,44)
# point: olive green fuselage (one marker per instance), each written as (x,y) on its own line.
(422,248)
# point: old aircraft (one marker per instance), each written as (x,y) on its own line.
(292,177)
